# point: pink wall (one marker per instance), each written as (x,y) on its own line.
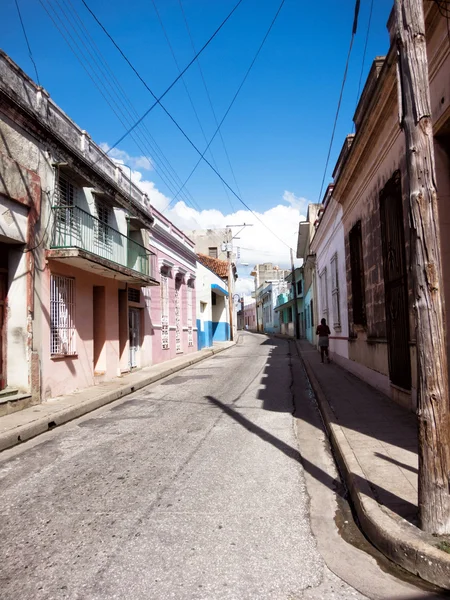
(250,316)
(158,353)
(64,375)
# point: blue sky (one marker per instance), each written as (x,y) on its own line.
(277,132)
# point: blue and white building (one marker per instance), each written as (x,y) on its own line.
(213,312)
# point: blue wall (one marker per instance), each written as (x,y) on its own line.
(214,332)
(204,338)
(220,331)
(310,324)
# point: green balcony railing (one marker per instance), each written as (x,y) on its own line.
(76,228)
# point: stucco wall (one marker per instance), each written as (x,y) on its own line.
(64,375)
(377,152)
(329,244)
(213,322)
(172,261)
(25,176)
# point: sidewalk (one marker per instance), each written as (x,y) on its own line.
(375,445)
(30,422)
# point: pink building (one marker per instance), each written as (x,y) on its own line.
(249,315)
(173,304)
(81,258)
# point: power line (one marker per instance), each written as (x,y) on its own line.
(146,138)
(355,26)
(99,78)
(166,35)
(202,155)
(365,50)
(30,54)
(172,118)
(209,96)
(158,100)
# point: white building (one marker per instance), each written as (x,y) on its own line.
(328,244)
(265,274)
(213,309)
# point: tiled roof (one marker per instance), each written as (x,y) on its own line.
(217,266)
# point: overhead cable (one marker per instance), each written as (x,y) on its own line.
(355,26)
(100,78)
(208,95)
(172,51)
(158,100)
(145,137)
(365,50)
(202,155)
(30,54)
(172,118)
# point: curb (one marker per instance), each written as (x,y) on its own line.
(400,541)
(23,433)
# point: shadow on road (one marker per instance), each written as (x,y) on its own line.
(289,391)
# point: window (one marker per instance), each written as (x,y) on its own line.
(357,271)
(65,192)
(299,287)
(65,201)
(311,310)
(213,299)
(103,232)
(324,292)
(134,295)
(62,315)
(212,252)
(335,292)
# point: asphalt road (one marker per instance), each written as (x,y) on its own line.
(188,489)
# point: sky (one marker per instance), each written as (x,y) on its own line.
(276,134)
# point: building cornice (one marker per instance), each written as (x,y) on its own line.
(159,232)
(383,101)
(31,107)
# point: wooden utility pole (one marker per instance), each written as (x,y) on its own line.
(432,388)
(230,291)
(295,313)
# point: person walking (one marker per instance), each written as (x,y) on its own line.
(323,331)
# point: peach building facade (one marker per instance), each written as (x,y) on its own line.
(82,257)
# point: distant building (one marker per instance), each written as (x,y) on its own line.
(306,233)
(217,245)
(213,298)
(285,305)
(265,274)
(247,314)
(212,242)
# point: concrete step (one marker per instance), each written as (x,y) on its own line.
(13,401)
(8,392)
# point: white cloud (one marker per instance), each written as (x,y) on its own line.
(245,286)
(257,244)
(122,157)
(296,201)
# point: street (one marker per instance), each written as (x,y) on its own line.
(190,488)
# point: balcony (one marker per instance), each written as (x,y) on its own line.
(282,298)
(87,243)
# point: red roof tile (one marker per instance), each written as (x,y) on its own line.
(217,266)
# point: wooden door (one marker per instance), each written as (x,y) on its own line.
(395,281)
